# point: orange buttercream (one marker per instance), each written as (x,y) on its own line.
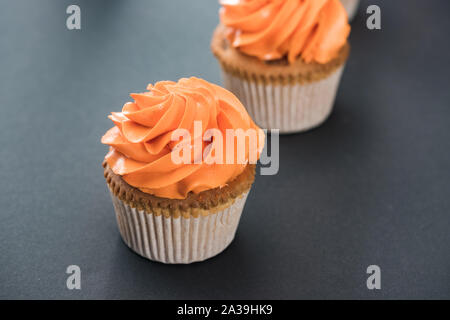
(141,143)
(315,30)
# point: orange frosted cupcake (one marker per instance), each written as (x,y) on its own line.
(283,58)
(176,200)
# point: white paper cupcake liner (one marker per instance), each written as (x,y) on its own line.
(177,240)
(351,6)
(289,108)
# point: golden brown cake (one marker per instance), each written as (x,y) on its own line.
(194,205)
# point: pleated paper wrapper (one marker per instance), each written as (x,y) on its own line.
(351,6)
(177,240)
(292,107)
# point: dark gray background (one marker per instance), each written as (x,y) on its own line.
(370,186)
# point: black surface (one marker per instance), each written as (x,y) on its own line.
(370,186)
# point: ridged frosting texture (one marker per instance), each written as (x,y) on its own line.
(314,30)
(141,143)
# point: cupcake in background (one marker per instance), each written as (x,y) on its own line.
(351,6)
(283,58)
(175,211)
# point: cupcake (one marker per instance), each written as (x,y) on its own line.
(351,6)
(175,200)
(283,58)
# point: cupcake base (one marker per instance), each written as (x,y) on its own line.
(290,108)
(179,230)
(351,6)
(177,240)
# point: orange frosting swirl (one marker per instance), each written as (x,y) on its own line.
(141,143)
(272,29)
